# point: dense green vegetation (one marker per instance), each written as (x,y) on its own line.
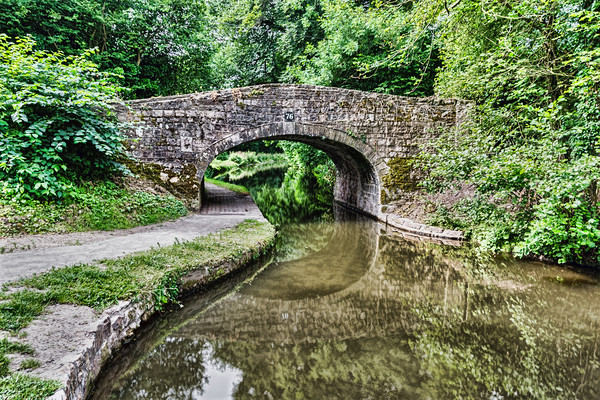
(157,47)
(290,186)
(531,70)
(100,205)
(59,148)
(26,387)
(530,150)
(307,188)
(55,122)
(340,43)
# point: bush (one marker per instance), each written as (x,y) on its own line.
(56,125)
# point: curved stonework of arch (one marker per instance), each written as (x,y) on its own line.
(371,137)
(357,163)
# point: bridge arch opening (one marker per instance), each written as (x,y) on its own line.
(357,183)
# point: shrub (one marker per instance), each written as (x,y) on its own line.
(56,125)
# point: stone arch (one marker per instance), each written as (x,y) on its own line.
(357,164)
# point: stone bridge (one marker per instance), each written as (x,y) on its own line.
(370,137)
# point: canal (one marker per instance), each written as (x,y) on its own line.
(348,310)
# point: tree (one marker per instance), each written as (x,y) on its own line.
(159,47)
(530,149)
(362,49)
(260,39)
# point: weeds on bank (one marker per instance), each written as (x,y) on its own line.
(30,363)
(102,205)
(18,386)
(25,387)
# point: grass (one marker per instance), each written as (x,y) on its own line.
(30,363)
(103,205)
(20,308)
(25,387)
(7,347)
(230,186)
(156,272)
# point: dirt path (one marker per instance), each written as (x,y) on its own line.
(39,253)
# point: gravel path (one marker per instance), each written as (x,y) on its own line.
(38,253)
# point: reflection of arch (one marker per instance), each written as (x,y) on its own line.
(357,163)
(348,255)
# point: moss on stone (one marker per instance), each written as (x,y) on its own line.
(400,177)
(255,93)
(183,184)
(383,197)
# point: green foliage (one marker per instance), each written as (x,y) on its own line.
(530,148)
(55,122)
(491,225)
(21,308)
(361,50)
(111,207)
(239,165)
(260,39)
(325,42)
(83,284)
(566,219)
(230,186)
(102,205)
(311,176)
(158,47)
(280,204)
(30,363)
(304,192)
(26,387)
(7,347)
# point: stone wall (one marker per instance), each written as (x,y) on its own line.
(370,137)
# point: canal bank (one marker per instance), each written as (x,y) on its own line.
(72,342)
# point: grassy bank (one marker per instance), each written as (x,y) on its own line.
(230,186)
(102,205)
(156,273)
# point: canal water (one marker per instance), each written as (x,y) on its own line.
(348,310)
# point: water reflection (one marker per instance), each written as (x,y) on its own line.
(362,315)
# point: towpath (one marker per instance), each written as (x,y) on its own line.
(25,256)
